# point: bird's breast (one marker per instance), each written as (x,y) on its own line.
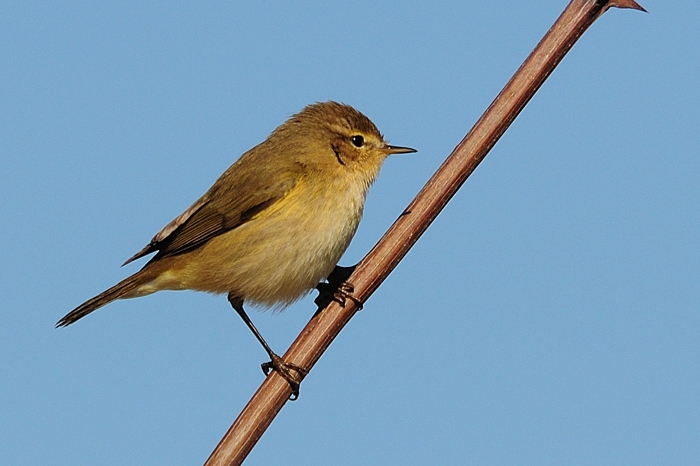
(284,251)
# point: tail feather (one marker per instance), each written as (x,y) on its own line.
(119,290)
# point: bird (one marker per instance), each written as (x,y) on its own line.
(273,225)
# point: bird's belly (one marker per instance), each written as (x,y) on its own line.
(275,258)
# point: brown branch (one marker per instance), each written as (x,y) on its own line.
(381,260)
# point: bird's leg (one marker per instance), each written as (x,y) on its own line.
(337,289)
(291,373)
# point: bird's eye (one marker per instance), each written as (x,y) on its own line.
(357,141)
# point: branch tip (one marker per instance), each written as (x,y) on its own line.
(627,4)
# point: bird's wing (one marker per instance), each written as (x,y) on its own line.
(234,199)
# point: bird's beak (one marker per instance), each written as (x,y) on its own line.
(397,150)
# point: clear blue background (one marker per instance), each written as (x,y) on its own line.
(549,316)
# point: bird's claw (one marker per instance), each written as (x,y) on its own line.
(292,373)
(344,292)
(337,288)
(338,292)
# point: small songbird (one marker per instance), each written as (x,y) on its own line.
(273,225)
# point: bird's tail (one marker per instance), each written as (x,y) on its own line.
(122,289)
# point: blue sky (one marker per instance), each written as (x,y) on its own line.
(550,315)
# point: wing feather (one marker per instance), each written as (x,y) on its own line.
(243,191)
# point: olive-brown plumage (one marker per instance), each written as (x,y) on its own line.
(275,223)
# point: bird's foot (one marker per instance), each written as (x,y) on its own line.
(292,373)
(337,289)
(338,292)
(344,292)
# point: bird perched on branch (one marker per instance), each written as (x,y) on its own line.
(273,225)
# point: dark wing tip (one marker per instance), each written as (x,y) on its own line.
(149,248)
